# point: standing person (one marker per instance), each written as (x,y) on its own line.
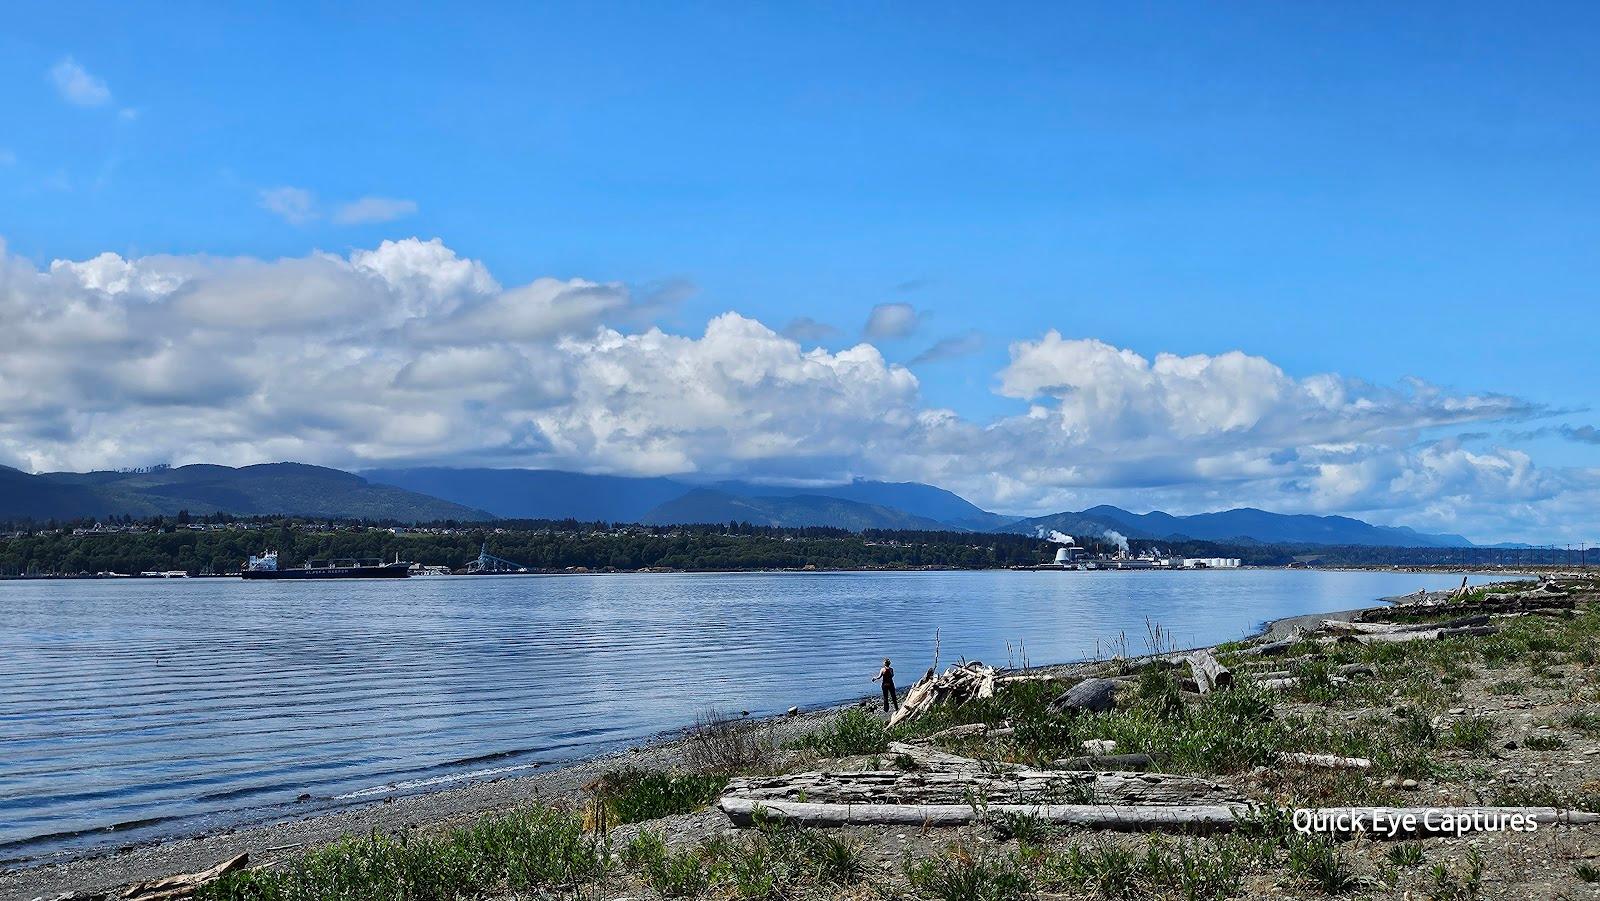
(891,698)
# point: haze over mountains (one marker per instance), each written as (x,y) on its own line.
(434,493)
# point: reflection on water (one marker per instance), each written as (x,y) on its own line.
(162,704)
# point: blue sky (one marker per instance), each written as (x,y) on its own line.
(1383,192)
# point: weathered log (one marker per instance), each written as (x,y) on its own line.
(1136,817)
(1328,761)
(1090,695)
(1426,635)
(1280,683)
(1105,762)
(970,730)
(1021,786)
(1007,678)
(1549,605)
(1272,648)
(1128,817)
(182,885)
(1209,675)
(1099,746)
(935,759)
(1352,670)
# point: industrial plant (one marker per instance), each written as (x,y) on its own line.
(1071,556)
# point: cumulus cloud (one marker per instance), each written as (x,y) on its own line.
(891,320)
(76,86)
(963,345)
(409,352)
(295,206)
(374,209)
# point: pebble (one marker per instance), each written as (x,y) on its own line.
(1409,784)
(794,711)
(1389,782)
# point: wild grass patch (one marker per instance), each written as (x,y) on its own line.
(529,852)
(635,795)
(855,731)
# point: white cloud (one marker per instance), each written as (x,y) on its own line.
(410,352)
(891,320)
(374,209)
(76,86)
(296,206)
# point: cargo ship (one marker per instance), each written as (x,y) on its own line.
(266,567)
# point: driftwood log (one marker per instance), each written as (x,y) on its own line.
(1209,675)
(1326,761)
(935,759)
(1272,648)
(182,885)
(1013,787)
(1534,602)
(1103,762)
(955,686)
(1131,817)
(1426,634)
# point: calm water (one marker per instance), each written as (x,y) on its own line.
(168,706)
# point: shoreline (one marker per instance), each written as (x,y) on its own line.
(101,869)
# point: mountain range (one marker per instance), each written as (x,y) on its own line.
(434,493)
(1242,524)
(268,488)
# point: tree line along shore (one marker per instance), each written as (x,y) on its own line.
(218,545)
(1168,774)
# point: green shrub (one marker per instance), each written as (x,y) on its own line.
(1472,733)
(634,795)
(1317,861)
(855,731)
(530,851)
(961,876)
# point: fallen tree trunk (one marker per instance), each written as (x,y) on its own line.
(1494,604)
(1141,817)
(1104,762)
(971,730)
(1426,635)
(1020,786)
(935,759)
(1146,817)
(1209,675)
(1327,761)
(1272,648)
(182,885)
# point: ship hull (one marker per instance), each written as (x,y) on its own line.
(401,571)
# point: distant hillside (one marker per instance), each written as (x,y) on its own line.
(554,494)
(265,489)
(538,493)
(926,501)
(1245,523)
(703,505)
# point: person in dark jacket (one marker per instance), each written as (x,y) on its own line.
(891,698)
